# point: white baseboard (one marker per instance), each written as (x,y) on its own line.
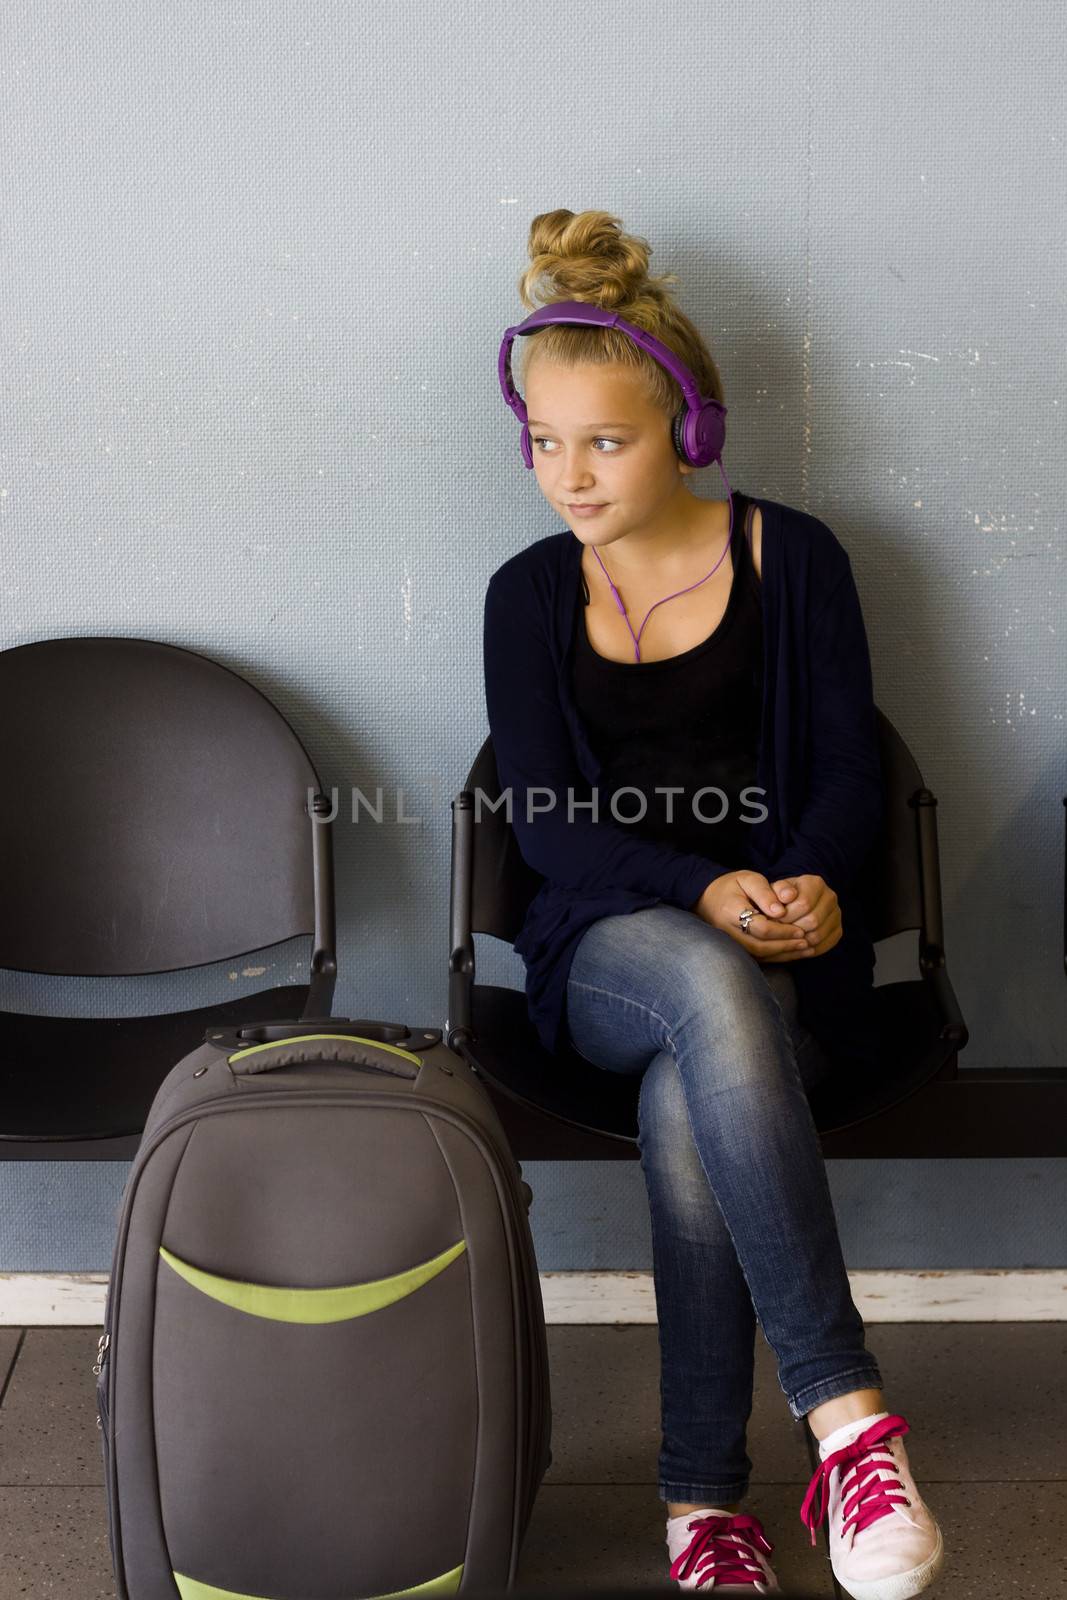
(76,1299)
(959,1295)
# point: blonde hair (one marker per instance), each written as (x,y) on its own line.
(585,256)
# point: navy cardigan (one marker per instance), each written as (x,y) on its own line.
(818,766)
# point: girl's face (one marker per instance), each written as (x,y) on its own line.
(597,440)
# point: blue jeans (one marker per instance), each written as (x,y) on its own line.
(743,1225)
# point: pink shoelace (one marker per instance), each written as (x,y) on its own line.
(870,1495)
(713,1555)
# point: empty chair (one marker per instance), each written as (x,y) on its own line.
(158,813)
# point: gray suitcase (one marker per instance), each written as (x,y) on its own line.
(323,1373)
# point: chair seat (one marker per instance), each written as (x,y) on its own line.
(505,1048)
(96,1077)
(911,1047)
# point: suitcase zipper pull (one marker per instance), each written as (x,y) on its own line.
(101,1345)
(101,1348)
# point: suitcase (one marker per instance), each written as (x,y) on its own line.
(323,1373)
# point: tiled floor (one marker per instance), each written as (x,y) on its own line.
(986,1402)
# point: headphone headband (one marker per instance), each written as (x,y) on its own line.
(699,429)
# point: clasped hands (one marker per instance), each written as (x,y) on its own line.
(795,917)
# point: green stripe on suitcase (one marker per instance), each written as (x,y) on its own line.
(190,1589)
(338,1304)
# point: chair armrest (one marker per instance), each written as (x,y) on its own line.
(953,1026)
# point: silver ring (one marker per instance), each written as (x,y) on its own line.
(745,918)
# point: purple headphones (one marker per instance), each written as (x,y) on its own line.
(698,429)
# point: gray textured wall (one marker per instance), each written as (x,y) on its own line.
(256,261)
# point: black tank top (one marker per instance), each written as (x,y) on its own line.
(691,720)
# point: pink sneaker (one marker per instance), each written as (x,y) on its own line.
(884,1541)
(725,1555)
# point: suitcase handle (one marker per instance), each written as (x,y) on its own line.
(350,1049)
(363,1027)
(372,1032)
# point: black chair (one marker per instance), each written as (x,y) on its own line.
(158,814)
(920,1104)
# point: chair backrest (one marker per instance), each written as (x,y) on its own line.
(154,811)
(890,887)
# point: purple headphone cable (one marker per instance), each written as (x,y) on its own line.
(636,637)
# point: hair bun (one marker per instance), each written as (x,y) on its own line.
(586,256)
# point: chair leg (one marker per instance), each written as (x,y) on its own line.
(813,1458)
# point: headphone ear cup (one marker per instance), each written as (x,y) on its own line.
(526,445)
(706,430)
(711,432)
